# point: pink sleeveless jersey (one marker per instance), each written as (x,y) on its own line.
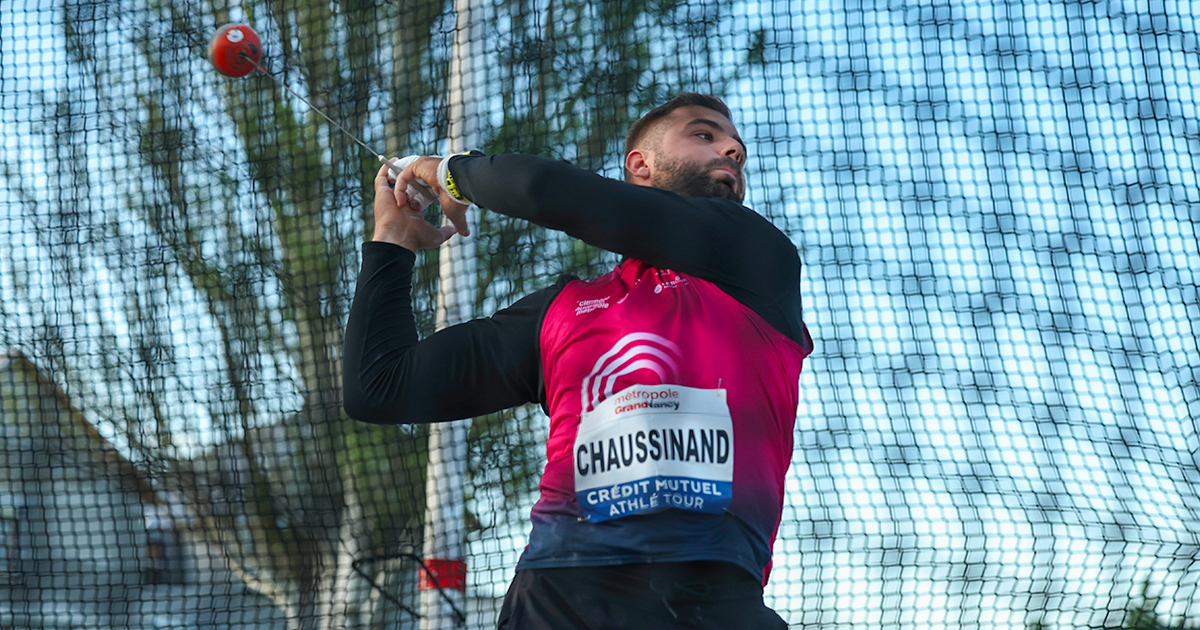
(672,405)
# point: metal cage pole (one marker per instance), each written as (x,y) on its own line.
(443,579)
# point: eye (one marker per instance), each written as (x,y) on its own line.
(704,135)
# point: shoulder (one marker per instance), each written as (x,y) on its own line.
(753,247)
(751,222)
(538,301)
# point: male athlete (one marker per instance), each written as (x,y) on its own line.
(671,382)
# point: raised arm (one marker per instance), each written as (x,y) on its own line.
(711,238)
(467,370)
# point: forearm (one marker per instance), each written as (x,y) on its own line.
(390,377)
(603,212)
(380,331)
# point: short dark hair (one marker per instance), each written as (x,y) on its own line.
(646,124)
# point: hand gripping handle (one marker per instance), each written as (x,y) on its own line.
(417,189)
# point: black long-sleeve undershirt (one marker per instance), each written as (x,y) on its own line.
(493,363)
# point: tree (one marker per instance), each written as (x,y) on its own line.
(212,250)
(252,201)
(1140,614)
(1144,614)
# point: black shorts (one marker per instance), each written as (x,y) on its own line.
(664,595)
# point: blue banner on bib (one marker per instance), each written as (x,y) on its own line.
(655,493)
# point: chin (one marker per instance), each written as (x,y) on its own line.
(725,191)
(699,185)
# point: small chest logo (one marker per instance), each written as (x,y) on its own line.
(670,283)
(669,280)
(587,306)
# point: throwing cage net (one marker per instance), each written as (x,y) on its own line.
(996,204)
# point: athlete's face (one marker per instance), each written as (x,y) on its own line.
(700,155)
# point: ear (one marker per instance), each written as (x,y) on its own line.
(639,164)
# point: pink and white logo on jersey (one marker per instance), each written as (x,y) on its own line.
(633,352)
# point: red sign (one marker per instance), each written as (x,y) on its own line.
(446,574)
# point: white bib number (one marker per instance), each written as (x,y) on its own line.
(652,447)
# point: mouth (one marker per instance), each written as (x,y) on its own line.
(725,171)
(726,177)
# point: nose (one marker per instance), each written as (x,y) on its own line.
(733,149)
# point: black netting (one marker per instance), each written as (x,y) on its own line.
(996,204)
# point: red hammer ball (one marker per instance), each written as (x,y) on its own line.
(235,49)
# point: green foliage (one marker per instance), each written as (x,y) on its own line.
(576,75)
(1142,614)
(1145,616)
(501,460)
(391,464)
(247,206)
(756,55)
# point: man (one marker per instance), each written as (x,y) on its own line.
(671,383)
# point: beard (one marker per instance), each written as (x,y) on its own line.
(696,180)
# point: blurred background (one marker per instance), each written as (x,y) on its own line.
(996,204)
